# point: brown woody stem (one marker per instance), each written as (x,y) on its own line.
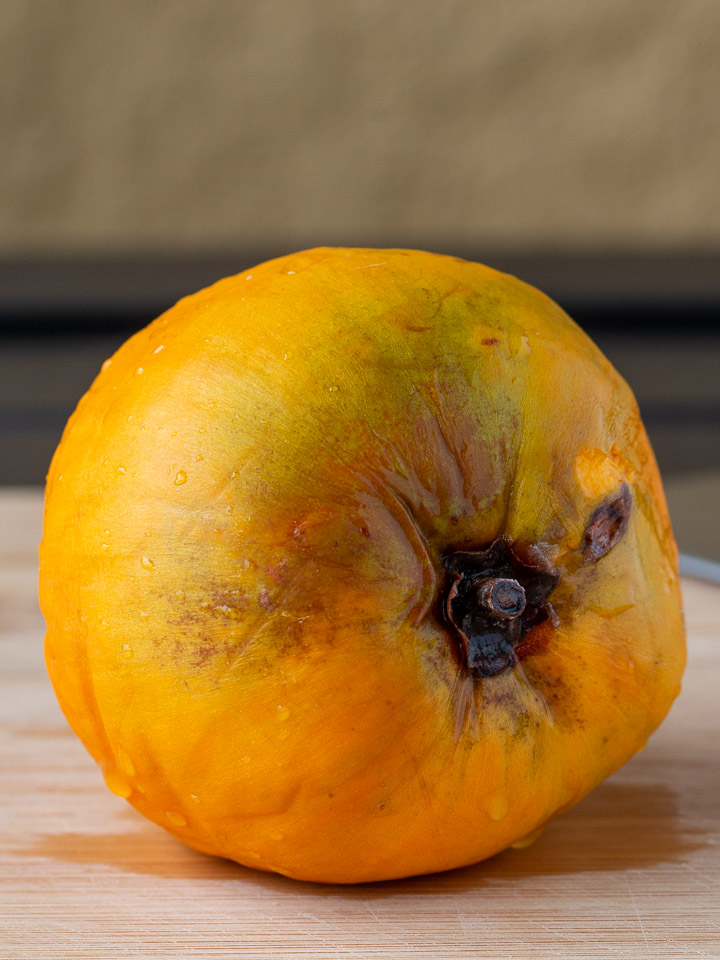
(502,597)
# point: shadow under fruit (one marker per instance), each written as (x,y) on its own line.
(357,566)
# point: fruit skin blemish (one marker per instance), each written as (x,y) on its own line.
(368,574)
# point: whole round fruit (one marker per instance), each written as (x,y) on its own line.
(357,565)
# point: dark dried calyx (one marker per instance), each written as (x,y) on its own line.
(492,599)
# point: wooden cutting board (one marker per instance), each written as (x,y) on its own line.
(633,871)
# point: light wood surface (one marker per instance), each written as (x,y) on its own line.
(633,871)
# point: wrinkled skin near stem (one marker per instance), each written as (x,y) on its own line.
(357,566)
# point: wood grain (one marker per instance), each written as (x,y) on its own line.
(633,871)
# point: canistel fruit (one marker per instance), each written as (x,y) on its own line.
(357,565)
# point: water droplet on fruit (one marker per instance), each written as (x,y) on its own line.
(528,841)
(232,612)
(147,564)
(158,349)
(122,470)
(126,764)
(139,371)
(118,786)
(106,364)
(608,613)
(195,798)
(283,712)
(180,478)
(497,806)
(177,819)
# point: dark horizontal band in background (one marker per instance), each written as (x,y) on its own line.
(656,316)
(660,291)
(689,416)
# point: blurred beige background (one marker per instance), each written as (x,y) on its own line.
(190,125)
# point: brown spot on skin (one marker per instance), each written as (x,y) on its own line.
(202,654)
(607,525)
(360,526)
(534,642)
(278,572)
(559,695)
(556,531)
(489,341)
(222,603)
(265,600)
(229,603)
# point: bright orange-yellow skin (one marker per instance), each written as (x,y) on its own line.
(241,566)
